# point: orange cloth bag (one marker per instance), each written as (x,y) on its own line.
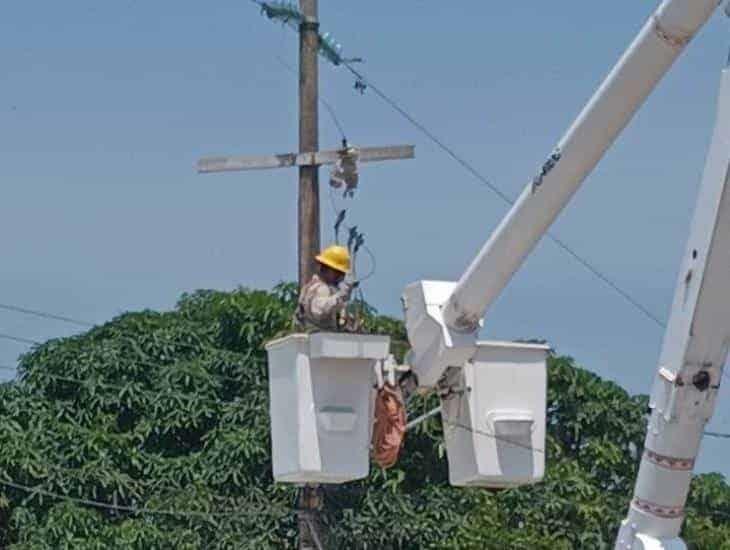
(389,431)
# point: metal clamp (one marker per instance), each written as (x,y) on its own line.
(309,23)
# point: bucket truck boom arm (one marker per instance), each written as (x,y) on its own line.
(693,355)
(443,318)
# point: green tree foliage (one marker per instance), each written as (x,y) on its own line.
(164,417)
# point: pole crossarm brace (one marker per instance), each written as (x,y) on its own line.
(237,164)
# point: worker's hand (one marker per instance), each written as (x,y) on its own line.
(350,280)
(348,285)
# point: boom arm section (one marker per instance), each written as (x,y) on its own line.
(691,363)
(443,319)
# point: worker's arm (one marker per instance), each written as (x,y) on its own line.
(323,302)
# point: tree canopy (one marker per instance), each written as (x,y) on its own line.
(152,432)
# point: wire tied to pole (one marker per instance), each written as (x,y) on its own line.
(344,172)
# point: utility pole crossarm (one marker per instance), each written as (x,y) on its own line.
(211,165)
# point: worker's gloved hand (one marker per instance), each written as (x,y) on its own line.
(348,285)
(350,280)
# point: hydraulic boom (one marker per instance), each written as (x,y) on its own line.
(691,363)
(442,318)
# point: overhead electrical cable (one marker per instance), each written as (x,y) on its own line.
(123,508)
(502,195)
(718,435)
(434,412)
(18,339)
(45,315)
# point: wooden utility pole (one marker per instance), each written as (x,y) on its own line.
(308,507)
(309,227)
(308,160)
(309,230)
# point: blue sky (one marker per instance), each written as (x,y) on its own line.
(105,107)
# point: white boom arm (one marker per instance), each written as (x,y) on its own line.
(693,355)
(443,319)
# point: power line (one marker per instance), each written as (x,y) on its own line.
(502,195)
(146,483)
(122,508)
(493,436)
(18,339)
(438,410)
(718,435)
(45,315)
(624,294)
(430,135)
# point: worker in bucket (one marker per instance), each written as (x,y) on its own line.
(323,299)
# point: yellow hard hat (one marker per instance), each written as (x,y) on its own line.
(337,257)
